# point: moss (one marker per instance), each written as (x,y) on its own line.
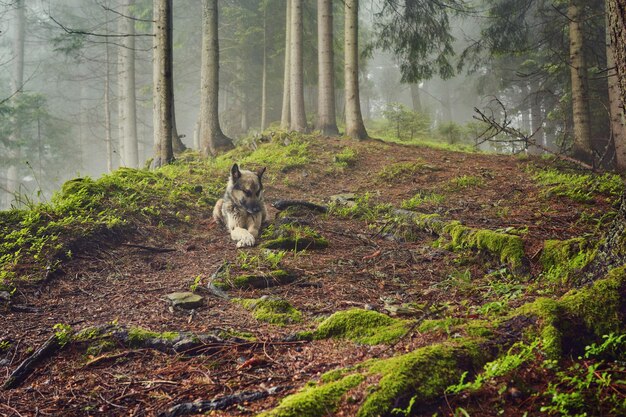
(465,181)
(136,336)
(509,248)
(271,279)
(423,373)
(315,400)
(560,258)
(362,326)
(548,312)
(579,187)
(295,237)
(346,158)
(402,170)
(271,310)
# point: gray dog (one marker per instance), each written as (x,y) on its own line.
(242,209)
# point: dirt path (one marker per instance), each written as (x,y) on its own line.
(362,267)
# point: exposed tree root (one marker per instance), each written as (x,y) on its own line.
(48,349)
(285,204)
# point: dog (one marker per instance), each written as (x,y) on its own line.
(242,209)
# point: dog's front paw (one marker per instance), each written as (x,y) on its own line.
(246,241)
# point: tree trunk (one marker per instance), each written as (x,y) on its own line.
(326,119)
(354,121)
(285,118)
(264,73)
(581,148)
(618,132)
(612,251)
(177,144)
(162,72)
(415,98)
(536,115)
(128,117)
(107,105)
(17,83)
(212,139)
(298,115)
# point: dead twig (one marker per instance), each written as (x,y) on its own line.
(149,248)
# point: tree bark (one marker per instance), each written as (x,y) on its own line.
(212,139)
(415,98)
(128,119)
(618,132)
(108,139)
(354,120)
(581,148)
(177,144)
(162,69)
(264,73)
(326,119)
(17,83)
(285,118)
(536,115)
(297,113)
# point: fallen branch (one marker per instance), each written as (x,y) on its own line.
(50,348)
(202,406)
(284,204)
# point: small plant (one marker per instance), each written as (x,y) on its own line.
(63,333)
(345,158)
(196,283)
(465,181)
(400,170)
(422,198)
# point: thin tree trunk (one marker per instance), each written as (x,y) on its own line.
(581,149)
(298,115)
(107,106)
(285,118)
(213,140)
(536,115)
(354,121)
(177,144)
(264,73)
(618,132)
(415,98)
(162,83)
(326,119)
(17,82)
(129,102)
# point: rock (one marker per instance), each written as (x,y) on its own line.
(185,300)
(5,297)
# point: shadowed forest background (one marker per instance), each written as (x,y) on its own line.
(77,79)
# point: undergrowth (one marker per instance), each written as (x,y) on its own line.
(578,187)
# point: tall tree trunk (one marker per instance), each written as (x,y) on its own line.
(17,83)
(354,121)
(177,144)
(618,132)
(108,140)
(130,152)
(536,115)
(285,118)
(298,115)
(212,139)
(162,73)
(580,99)
(326,119)
(264,72)
(415,98)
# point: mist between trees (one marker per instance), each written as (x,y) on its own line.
(77,91)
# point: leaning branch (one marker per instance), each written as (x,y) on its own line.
(99,35)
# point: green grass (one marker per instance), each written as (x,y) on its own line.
(578,187)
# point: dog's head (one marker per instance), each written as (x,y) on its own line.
(246,188)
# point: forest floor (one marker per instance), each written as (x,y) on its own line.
(366,265)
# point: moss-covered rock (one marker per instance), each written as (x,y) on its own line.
(362,326)
(315,400)
(250,281)
(561,258)
(271,310)
(294,237)
(509,248)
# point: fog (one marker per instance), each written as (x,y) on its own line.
(61,100)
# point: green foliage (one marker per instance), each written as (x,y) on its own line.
(422,198)
(404,123)
(579,187)
(270,310)
(562,258)
(362,326)
(346,158)
(63,333)
(451,132)
(293,237)
(519,354)
(465,181)
(400,171)
(360,208)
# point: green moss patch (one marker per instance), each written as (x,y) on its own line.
(260,280)
(561,258)
(271,310)
(579,187)
(315,400)
(294,237)
(362,326)
(509,248)
(404,170)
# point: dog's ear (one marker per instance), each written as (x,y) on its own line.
(260,171)
(235,173)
